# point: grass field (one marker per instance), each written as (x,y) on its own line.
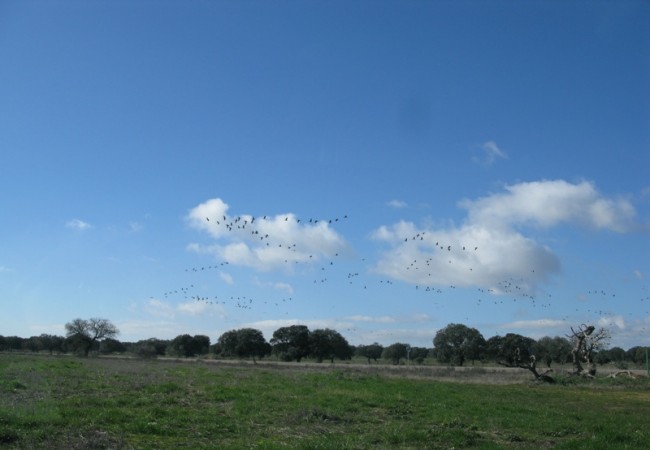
(71,403)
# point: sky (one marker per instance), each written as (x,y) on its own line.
(380,168)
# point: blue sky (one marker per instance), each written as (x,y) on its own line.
(381,168)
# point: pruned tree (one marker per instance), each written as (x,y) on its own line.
(85,333)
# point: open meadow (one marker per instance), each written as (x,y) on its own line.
(93,403)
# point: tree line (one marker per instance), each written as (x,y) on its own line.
(456,344)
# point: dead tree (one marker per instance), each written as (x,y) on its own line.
(530,365)
(586,342)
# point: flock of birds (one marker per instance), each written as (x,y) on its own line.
(324,269)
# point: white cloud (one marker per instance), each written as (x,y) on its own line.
(397,204)
(166,310)
(415,318)
(226,277)
(196,308)
(135,330)
(135,227)
(489,249)
(371,319)
(638,274)
(159,308)
(278,285)
(490,154)
(78,224)
(421,337)
(263,243)
(612,321)
(470,255)
(5,269)
(281,286)
(550,203)
(543,324)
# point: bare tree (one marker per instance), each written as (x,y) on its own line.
(530,365)
(585,344)
(86,332)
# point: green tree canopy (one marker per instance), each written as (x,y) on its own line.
(636,355)
(184,345)
(110,345)
(51,343)
(227,343)
(553,349)
(251,344)
(150,348)
(457,343)
(328,344)
(395,352)
(243,343)
(418,354)
(291,343)
(372,351)
(510,348)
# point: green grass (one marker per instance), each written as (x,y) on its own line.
(63,402)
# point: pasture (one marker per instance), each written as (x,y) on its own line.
(101,403)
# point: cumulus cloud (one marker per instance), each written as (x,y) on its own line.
(263,242)
(78,224)
(550,203)
(470,255)
(490,248)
